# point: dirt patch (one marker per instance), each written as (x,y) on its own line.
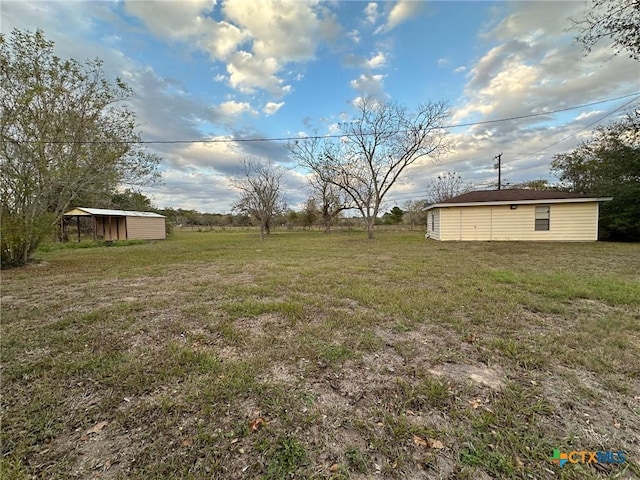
(260,324)
(279,373)
(479,375)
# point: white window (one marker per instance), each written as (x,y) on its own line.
(542,218)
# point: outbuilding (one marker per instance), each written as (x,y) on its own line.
(120,224)
(516,214)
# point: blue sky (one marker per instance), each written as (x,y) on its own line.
(239,69)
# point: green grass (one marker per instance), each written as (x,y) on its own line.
(346,350)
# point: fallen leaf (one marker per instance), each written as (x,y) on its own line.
(235,440)
(187,442)
(428,442)
(421,442)
(334,468)
(84,438)
(519,462)
(475,403)
(256,424)
(107,464)
(96,428)
(435,444)
(411,412)
(470,338)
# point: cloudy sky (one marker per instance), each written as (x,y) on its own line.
(230,70)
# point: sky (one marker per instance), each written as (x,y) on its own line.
(229,70)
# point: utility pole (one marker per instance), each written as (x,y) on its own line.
(499,167)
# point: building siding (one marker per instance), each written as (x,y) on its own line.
(568,222)
(433,219)
(146,228)
(111,228)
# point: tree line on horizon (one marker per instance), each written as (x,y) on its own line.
(68,137)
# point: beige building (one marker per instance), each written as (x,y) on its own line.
(515,215)
(120,224)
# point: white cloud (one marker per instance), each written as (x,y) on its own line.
(534,70)
(256,40)
(460,69)
(282,30)
(587,115)
(371,12)
(234,109)
(354,35)
(271,107)
(443,62)
(401,12)
(369,85)
(246,72)
(377,61)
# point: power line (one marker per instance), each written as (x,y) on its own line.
(311,137)
(579,130)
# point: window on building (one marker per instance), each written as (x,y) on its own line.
(542,218)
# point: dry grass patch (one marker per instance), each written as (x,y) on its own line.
(313,356)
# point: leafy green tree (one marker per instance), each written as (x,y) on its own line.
(608,165)
(131,200)
(310,213)
(395,215)
(65,137)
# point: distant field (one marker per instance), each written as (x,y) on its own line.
(215,355)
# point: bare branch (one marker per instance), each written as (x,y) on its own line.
(260,195)
(378,145)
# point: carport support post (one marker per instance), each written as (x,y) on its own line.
(78,217)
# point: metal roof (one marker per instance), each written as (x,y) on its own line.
(114,213)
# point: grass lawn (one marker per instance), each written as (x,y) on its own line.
(215,355)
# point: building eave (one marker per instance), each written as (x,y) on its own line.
(521,202)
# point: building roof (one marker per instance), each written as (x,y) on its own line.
(110,213)
(516,196)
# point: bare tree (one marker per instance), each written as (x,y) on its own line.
(414,213)
(537,184)
(618,20)
(375,147)
(331,200)
(447,185)
(260,196)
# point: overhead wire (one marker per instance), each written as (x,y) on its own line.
(310,137)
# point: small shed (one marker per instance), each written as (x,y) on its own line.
(121,224)
(516,214)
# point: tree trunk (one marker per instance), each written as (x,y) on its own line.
(370,226)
